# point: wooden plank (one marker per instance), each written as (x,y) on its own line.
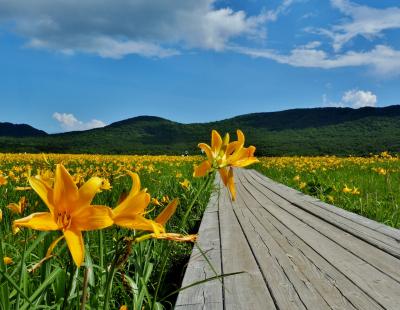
(247,290)
(374,256)
(291,290)
(358,219)
(337,290)
(374,283)
(209,294)
(365,233)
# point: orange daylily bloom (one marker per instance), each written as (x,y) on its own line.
(223,155)
(3,180)
(18,208)
(70,210)
(7,260)
(130,213)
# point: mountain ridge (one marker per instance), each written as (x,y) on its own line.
(313,131)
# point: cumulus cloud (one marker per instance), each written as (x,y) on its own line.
(359,98)
(69,122)
(353,98)
(362,21)
(384,60)
(155,28)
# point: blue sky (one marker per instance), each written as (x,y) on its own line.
(71,65)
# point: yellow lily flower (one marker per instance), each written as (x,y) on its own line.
(3,180)
(70,210)
(185,183)
(346,189)
(7,260)
(222,155)
(130,214)
(18,208)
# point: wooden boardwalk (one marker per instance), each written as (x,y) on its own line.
(296,252)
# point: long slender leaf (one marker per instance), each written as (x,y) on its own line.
(15,285)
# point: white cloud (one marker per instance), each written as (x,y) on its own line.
(155,28)
(359,98)
(364,21)
(353,98)
(69,122)
(273,15)
(384,60)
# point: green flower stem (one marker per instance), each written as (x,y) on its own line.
(101,248)
(4,292)
(21,273)
(201,189)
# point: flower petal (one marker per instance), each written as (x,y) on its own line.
(223,172)
(216,142)
(44,192)
(92,218)
(202,169)
(75,244)
(40,221)
(166,214)
(207,149)
(65,190)
(228,180)
(135,191)
(231,184)
(240,136)
(138,222)
(14,208)
(88,190)
(168,236)
(244,158)
(53,245)
(135,183)
(132,205)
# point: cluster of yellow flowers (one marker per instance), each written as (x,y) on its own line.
(68,197)
(71,212)
(222,155)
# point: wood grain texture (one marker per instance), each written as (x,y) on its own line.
(295,252)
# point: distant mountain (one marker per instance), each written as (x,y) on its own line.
(19,130)
(317,131)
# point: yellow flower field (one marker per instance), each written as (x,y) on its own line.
(104,232)
(145,270)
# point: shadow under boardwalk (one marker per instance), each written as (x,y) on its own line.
(295,252)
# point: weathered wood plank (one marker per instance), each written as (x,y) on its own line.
(377,284)
(374,256)
(290,289)
(379,240)
(337,290)
(209,294)
(355,218)
(247,290)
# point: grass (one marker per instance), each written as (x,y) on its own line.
(368,186)
(143,275)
